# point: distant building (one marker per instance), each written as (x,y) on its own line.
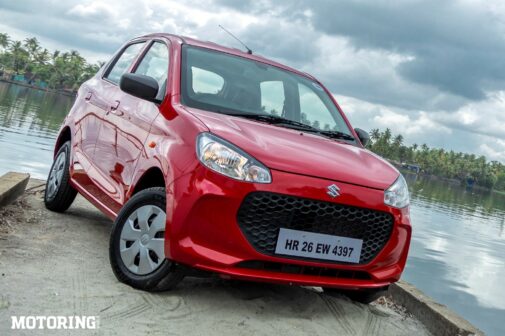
(412,167)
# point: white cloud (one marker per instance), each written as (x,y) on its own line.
(369,115)
(95,10)
(494,151)
(485,117)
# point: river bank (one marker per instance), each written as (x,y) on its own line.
(452,181)
(34,87)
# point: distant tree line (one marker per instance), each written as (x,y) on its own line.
(437,161)
(59,70)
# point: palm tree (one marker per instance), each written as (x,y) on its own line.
(398,140)
(375,134)
(43,56)
(39,62)
(4,40)
(4,43)
(59,69)
(19,56)
(32,45)
(387,135)
(55,55)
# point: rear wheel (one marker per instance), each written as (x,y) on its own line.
(137,243)
(366,295)
(59,194)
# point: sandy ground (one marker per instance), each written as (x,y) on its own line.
(57,264)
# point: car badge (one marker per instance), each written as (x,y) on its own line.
(333,191)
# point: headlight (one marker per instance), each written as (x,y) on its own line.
(227,159)
(398,194)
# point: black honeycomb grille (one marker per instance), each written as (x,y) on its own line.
(262,214)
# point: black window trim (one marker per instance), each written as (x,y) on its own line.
(143,53)
(140,56)
(146,50)
(116,57)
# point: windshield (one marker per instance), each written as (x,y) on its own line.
(223,83)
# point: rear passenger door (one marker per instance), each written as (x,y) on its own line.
(127,124)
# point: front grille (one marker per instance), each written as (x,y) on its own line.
(303,270)
(262,214)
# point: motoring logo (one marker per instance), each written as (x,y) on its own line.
(54,322)
(333,191)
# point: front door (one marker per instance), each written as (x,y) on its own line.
(105,152)
(126,126)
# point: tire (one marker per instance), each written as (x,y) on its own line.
(59,194)
(365,296)
(140,225)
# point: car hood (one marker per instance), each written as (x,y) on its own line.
(292,151)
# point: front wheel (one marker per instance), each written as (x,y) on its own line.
(365,296)
(137,243)
(59,194)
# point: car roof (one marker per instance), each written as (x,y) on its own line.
(233,51)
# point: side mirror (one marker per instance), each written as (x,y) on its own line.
(363,136)
(143,87)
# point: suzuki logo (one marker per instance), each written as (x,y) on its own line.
(333,191)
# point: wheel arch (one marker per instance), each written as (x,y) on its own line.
(64,136)
(152,177)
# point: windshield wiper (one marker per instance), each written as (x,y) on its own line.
(337,135)
(273,119)
(276,120)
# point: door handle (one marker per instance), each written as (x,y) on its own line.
(114,109)
(114,106)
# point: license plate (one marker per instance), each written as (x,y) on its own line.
(318,246)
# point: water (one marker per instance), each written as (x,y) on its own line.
(458,248)
(457,254)
(29,122)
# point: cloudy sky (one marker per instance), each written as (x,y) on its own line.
(432,70)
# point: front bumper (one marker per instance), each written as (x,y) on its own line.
(202,232)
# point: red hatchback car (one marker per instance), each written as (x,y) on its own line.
(214,159)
